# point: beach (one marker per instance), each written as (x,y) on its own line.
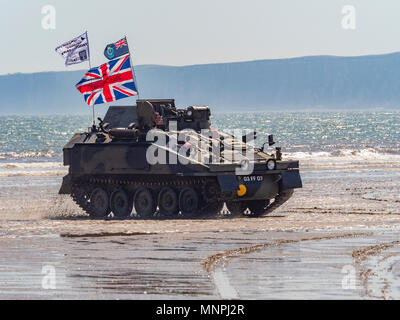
(336,238)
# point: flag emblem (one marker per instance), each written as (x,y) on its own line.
(121,43)
(109,82)
(109,52)
(76,50)
(117,49)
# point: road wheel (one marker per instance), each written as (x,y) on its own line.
(99,203)
(168,202)
(188,202)
(145,205)
(120,204)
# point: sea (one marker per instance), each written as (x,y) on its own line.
(32,145)
(343,224)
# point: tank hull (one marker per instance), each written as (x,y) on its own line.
(113,170)
(128,162)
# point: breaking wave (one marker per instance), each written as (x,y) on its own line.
(48,154)
(344,159)
(31,169)
(345,154)
(42,173)
(347,160)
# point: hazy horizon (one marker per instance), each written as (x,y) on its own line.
(308,83)
(261,55)
(184,33)
(211,63)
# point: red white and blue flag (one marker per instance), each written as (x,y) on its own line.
(109,82)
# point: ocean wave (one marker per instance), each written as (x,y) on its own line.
(344,154)
(43,173)
(28,155)
(339,160)
(31,169)
(30,165)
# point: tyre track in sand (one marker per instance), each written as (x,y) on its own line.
(215,263)
(366,274)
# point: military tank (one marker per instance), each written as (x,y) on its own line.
(153,160)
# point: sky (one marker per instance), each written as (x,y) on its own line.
(186,32)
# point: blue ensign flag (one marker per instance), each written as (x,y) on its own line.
(117,49)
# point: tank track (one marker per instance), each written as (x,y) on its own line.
(82,188)
(81,197)
(208,189)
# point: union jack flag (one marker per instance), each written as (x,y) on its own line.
(109,82)
(121,43)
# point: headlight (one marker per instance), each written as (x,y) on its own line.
(244,164)
(271,164)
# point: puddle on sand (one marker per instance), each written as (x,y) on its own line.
(324,269)
(103,268)
(133,259)
(105,234)
(165,266)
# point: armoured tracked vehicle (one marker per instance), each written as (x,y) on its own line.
(154,160)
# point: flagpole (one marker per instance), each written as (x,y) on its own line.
(87,37)
(90,67)
(133,70)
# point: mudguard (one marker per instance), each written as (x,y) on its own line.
(228,183)
(66,187)
(290,180)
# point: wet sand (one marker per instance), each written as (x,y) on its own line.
(344,222)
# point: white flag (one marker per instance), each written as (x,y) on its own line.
(75,50)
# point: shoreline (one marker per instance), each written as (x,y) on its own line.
(164,259)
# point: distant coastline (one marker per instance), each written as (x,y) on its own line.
(314,83)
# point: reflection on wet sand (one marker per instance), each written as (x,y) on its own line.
(340,220)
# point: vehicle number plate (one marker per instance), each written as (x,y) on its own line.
(253,178)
